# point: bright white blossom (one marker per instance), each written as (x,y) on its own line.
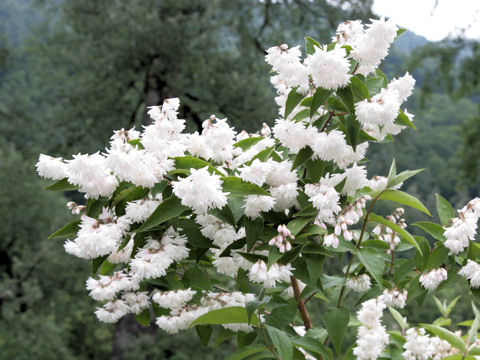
(418,345)
(360,283)
(431,279)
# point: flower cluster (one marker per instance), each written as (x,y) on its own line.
(463,228)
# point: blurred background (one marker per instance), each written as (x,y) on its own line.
(71,71)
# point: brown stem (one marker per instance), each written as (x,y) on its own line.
(310,296)
(356,68)
(301,304)
(326,122)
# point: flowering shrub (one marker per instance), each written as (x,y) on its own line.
(233,229)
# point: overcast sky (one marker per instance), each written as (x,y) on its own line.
(434,23)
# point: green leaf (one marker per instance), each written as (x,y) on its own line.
(308,211)
(129,194)
(296,225)
(359,88)
(437,257)
(320,96)
(253,229)
(336,322)
(281,342)
(293,100)
(289,256)
(254,257)
(61,185)
(144,317)
(136,143)
(445,210)
(194,236)
(168,209)
(244,353)
(228,315)
(273,256)
(400,178)
(303,155)
(190,162)
(472,333)
(95,207)
(353,130)
(309,45)
(236,186)
(224,214)
(444,334)
(398,318)
(346,95)
(375,85)
(400,32)
(97,262)
(248,142)
(393,171)
(312,346)
(402,232)
(404,120)
(69,230)
(435,230)
(405,199)
(106,267)
(204,332)
(373,262)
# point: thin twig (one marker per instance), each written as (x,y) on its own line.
(300,303)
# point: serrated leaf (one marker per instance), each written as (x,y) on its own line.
(248,142)
(190,162)
(375,85)
(303,155)
(346,95)
(404,199)
(444,209)
(398,317)
(403,120)
(228,315)
(297,225)
(143,318)
(68,230)
(444,334)
(254,257)
(373,262)
(168,209)
(320,96)
(402,232)
(95,206)
(400,178)
(437,257)
(336,322)
(224,214)
(281,342)
(204,332)
(359,88)
(313,346)
(61,185)
(253,229)
(435,230)
(237,187)
(309,45)
(293,100)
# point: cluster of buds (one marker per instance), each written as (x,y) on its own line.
(75,208)
(281,240)
(395,297)
(388,235)
(350,216)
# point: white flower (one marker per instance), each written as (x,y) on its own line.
(140,210)
(90,173)
(471,271)
(371,47)
(381,109)
(403,86)
(431,279)
(360,283)
(173,299)
(112,311)
(200,191)
(462,230)
(51,168)
(256,173)
(395,298)
(255,204)
(372,336)
(417,346)
(348,32)
(331,146)
(137,301)
(219,138)
(286,62)
(123,255)
(324,198)
(281,173)
(285,196)
(356,178)
(294,135)
(329,69)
